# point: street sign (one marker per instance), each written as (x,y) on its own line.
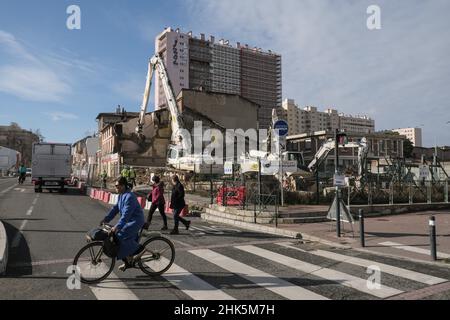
(424,172)
(228,167)
(281,128)
(339,181)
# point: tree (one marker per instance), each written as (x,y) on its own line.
(408,148)
(39,134)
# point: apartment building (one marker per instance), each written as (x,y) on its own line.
(412,134)
(309,119)
(200,63)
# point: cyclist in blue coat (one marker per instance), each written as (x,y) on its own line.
(130,223)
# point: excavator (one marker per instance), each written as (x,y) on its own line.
(180,143)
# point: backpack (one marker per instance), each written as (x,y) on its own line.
(111,246)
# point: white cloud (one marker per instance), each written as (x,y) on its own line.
(28,77)
(32,83)
(330,58)
(59,115)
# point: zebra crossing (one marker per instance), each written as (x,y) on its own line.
(279,270)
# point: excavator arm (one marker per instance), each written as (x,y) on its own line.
(179,136)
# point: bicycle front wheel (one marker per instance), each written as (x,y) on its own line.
(158,256)
(92,264)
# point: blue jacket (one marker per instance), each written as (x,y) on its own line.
(129,208)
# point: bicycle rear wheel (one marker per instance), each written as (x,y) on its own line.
(158,256)
(92,264)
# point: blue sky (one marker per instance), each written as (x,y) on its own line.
(58,80)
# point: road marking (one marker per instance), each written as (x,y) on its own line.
(112,289)
(192,285)
(413,249)
(7,189)
(263,279)
(30,211)
(200,232)
(205,229)
(329,274)
(396,271)
(19,189)
(16,240)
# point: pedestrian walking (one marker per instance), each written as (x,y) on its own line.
(177,204)
(104,177)
(125,173)
(132,177)
(156,197)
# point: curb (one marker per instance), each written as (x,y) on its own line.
(253,227)
(3,249)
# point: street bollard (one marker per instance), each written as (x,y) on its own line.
(361,228)
(432,224)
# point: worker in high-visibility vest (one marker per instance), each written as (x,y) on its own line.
(104,177)
(132,177)
(125,172)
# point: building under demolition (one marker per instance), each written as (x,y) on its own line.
(120,145)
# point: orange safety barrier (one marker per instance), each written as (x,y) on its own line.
(142,201)
(106,196)
(92,193)
(184,212)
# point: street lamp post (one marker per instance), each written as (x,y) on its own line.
(338,207)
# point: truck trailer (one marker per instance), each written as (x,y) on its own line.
(51,166)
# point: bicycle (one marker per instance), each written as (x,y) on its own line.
(156,258)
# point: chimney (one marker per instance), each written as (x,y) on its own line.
(212,39)
(238,45)
(202,36)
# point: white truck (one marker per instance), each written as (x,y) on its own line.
(51,166)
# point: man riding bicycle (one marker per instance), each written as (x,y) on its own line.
(130,223)
(22,173)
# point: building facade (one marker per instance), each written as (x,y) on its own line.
(194,63)
(412,134)
(16,138)
(309,119)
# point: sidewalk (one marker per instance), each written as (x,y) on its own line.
(403,235)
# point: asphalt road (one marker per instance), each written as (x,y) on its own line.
(46,230)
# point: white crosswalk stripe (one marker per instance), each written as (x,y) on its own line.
(396,271)
(413,249)
(329,274)
(196,288)
(112,289)
(263,279)
(192,285)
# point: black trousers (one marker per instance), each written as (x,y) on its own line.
(177,218)
(161,210)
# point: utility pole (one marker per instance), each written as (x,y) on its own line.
(336,161)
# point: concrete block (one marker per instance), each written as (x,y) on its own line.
(3,249)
